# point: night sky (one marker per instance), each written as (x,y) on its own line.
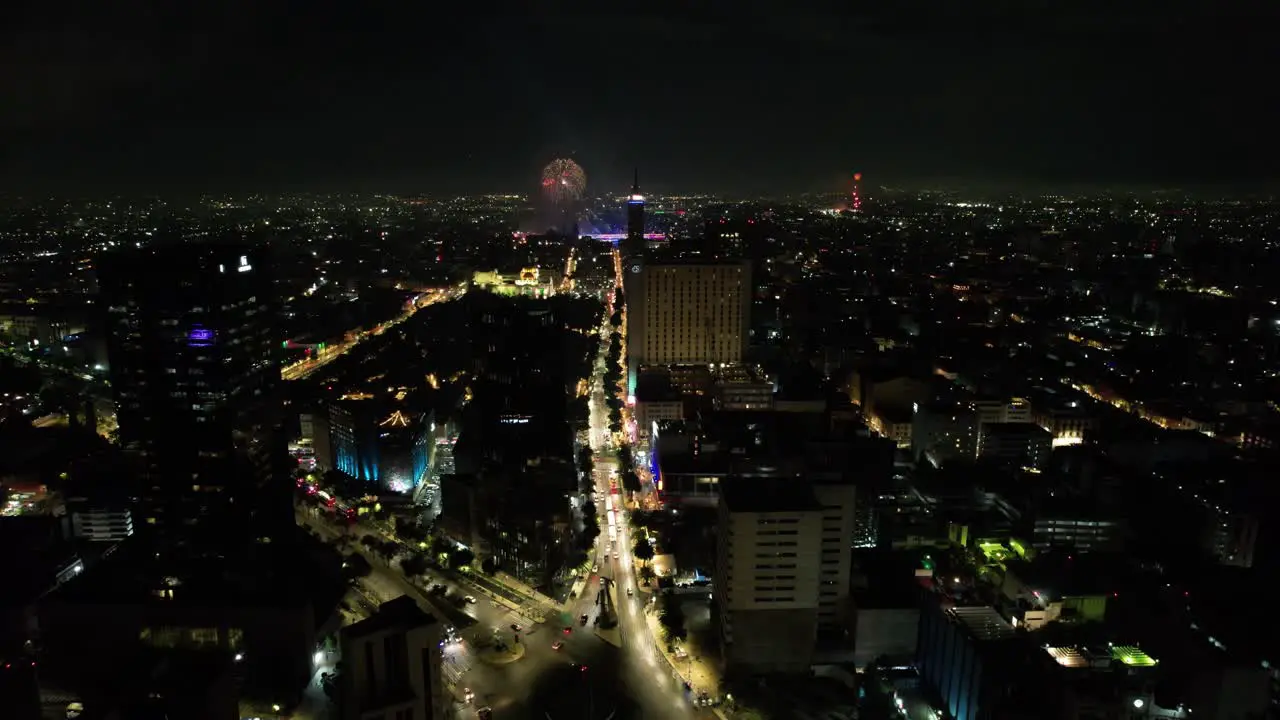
(754,97)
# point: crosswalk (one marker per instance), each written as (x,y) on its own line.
(454,666)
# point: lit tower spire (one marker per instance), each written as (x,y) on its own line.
(635,219)
(856,205)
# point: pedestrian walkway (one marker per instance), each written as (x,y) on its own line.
(531,610)
(522,588)
(513,592)
(694,670)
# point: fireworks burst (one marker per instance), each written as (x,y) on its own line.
(563,181)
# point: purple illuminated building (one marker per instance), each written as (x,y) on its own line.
(200,337)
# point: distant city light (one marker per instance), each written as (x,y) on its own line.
(613,237)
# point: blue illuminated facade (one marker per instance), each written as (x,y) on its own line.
(420,457)
(971,657)
(388,450)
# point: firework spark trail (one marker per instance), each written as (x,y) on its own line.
(563,181)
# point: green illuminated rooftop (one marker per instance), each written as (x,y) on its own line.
(1132,656)
(994,552)
(999,552)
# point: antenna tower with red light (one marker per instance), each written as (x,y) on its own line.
(856,205)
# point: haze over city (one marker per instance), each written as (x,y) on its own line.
(752,97)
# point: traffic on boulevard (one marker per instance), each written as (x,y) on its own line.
(306,367)
(509,651)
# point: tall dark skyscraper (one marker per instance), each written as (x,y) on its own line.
(195,368)
(634,245)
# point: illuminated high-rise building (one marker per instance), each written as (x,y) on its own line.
(686,313)
(195,367)
(634,245)
(782,576)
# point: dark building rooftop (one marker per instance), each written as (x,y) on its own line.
(1014,429)
(1072,574)
(186,684)
(760,432)
(982,623)
(764,495)
(655,387)
(885,579)
(31,572)
(403,612)
(131,575)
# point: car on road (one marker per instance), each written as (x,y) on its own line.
(583,620)
(557,645)
(485,713)
(466,693)
(516,627)
(630,592)
(470,599)
(595,568)
(567,629)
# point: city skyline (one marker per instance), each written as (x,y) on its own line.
(542,471)
(249,99)
(723,363)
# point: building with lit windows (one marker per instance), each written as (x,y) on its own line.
(686,313)
(195,368)
(767,573)
(509,501)
(674,392)
(943,431)
(1022,444)
(1067,424)
(95,523)
(510,496)
(36,324)
(1015,410)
